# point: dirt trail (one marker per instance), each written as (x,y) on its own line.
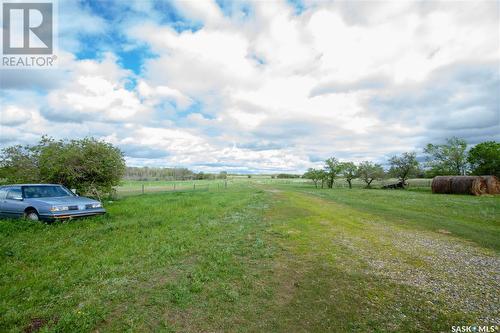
(443,266)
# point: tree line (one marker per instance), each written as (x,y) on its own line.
(157,174)
(154,173)
(94,167)
(450,158)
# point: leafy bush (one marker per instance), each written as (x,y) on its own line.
(91,166)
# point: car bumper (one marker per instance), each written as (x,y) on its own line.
(72,214)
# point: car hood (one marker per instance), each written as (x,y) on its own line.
(63,200)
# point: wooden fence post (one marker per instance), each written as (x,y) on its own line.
(142,188)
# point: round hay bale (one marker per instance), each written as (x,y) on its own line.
(492,184)
(474,185)
(441,184)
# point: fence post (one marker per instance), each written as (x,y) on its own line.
(142,188)
(174,186)
(194,186)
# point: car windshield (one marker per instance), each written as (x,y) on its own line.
(45,192)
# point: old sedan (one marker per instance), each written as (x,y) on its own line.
(45,202)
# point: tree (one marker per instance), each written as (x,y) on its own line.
(88,165)
(332,169)
(484,158)
(324,178)
(447,159)
(17,165)
(349,171)
(369,172)
(315,175)
(222,175)
(287,176)
(151,173)
(404,166)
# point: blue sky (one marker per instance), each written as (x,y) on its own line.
(268,86)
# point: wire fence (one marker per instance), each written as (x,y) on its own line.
(145,188)
(137,187)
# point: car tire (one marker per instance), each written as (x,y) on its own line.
(32,215)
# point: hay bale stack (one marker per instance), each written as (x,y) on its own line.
(441,184)
(492,184)
(474,185)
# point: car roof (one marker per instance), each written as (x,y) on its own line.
(18,185)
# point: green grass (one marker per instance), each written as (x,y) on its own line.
(474,218)
(134,187)
(259,258)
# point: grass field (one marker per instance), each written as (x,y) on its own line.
(134,187)
(258,258)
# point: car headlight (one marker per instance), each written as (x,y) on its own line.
(58,208)
(96,205)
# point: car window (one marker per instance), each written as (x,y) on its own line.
(3,193)
(14,194)
(45,192)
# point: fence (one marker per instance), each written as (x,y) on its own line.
(137,188)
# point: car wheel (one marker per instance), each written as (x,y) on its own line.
(32,215)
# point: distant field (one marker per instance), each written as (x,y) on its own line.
(255,257)
(133,187)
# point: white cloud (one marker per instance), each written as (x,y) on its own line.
(13,115)
(358,80)
(95,91)
(206,11)
(154,95)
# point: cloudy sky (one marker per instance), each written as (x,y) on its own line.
(262,86)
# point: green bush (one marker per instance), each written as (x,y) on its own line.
(88,165)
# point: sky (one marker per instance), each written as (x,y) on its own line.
(261,87)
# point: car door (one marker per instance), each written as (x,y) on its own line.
(13,205)
(3,194)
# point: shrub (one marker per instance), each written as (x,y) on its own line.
(91,166)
